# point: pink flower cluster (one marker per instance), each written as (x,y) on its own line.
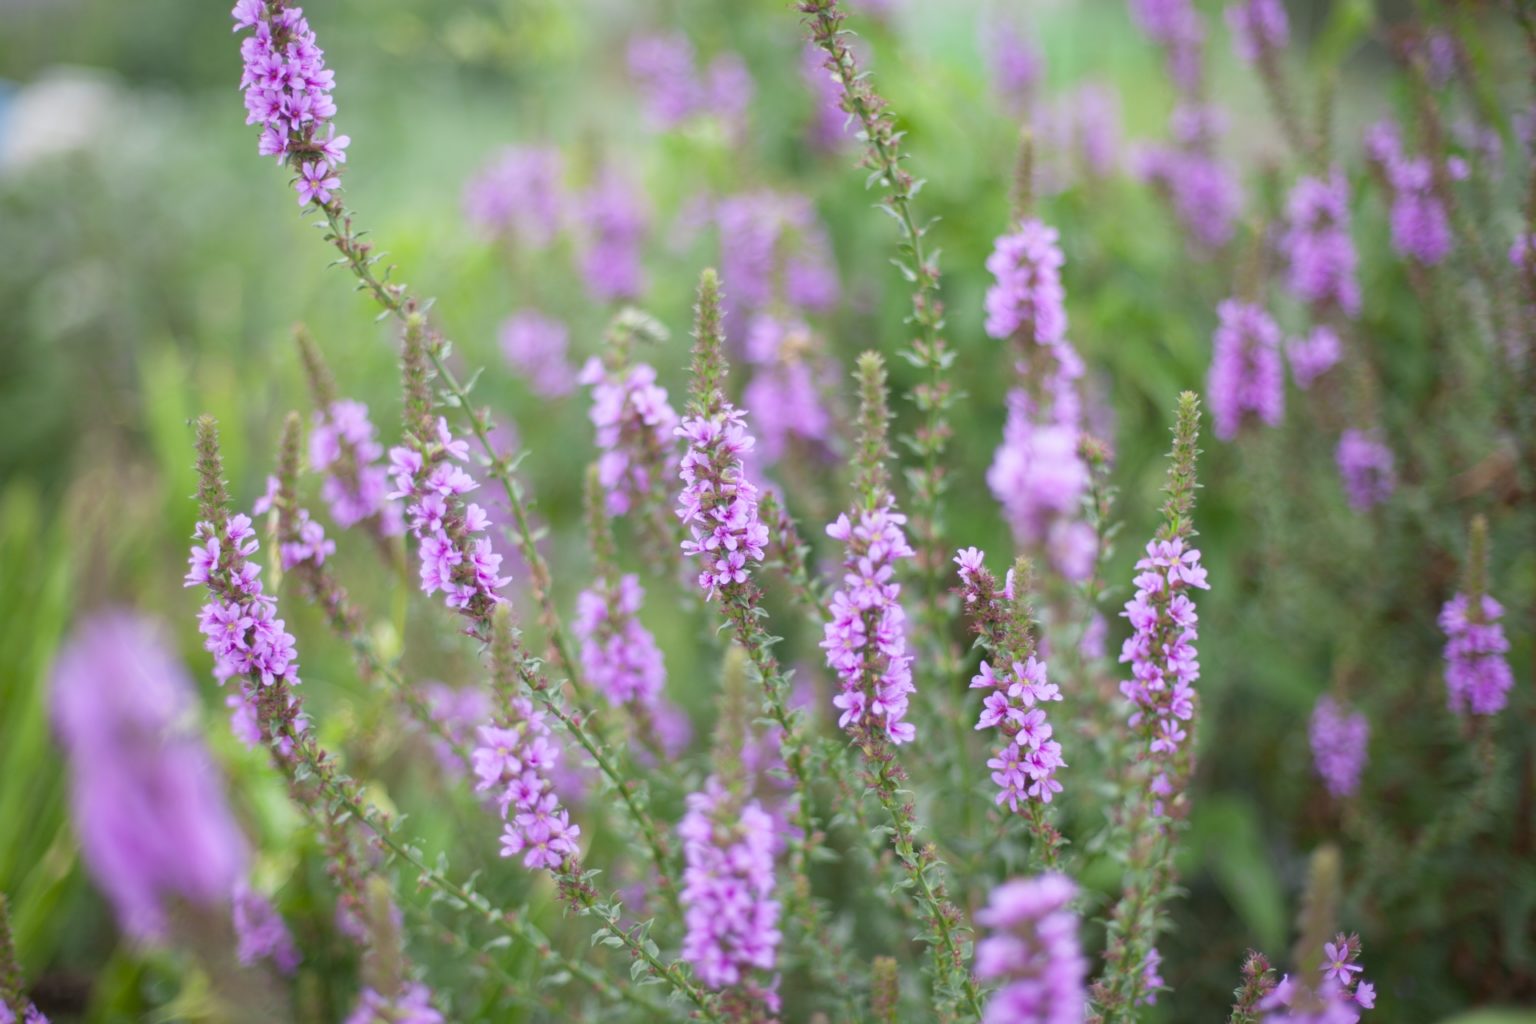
(1366,467)
(455,558)
(1246,375)
(515,761)
(1314,355)
(618,654)
(412,1006)
(343,446)
(1160,650)
(718,503)
(1027,294)
(1026,765)
(1318,249)
(260,933)
(1339,737)
(788,388)
(1477,673)
(1258,27)
(1421,227)
(866,637)
(635,430)
(675,91)
(773,248)
(730,915)
(517,196)
(1033,952)
(535,345)
(239,622)
(288,93)
(1337,999)
(613,221)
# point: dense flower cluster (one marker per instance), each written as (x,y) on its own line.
(1015,62)
(456,557)
(675,91)
(773,248)
(1247,374)
(613,223)
(31,1015)
(1337,998)
(1421,226)
(1160,650)
(619,655)
(1314,355)
(412,1006)
(1477,674)
(239,622)
(535,346)
(518,196)
(344,449)
(1339,738)
(457,711)
(1027,294)
(1033,953)
(260,933)
(1205,195)
(311,545)
(718,503)
(514,761)
(1367,468)
(147,799)
(830,127)
(1039,477)
(866,636)
(788,388)
(636,428)
(1319,252)
(1258,27)
(731,917)
(288,93)
(1025,767)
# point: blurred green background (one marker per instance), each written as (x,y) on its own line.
(152,265)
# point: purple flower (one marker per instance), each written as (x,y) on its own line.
(288,94)
(457,710)
(1015,62)
(620,658)
(515,761)
(518,196)
(146,797)
(260,932)
(636,430)
(1421,227)
(1025,767)
(1336,999)
(773,248)
(866,636)
(1314,355)
(1366,467)
(1205,195)
(1246,374)
(1032,952)
(1036,474)
(1339,737)
(613,222)
(674,91)
(1477,674)
(344,447)
(718,503)
(1317,245)
(788,388)
(831,126)
(413,1005)
(1027,295)
(1160,650)
(535,346)
(729,913)
(1259,27)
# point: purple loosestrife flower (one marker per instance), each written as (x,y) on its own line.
(518,196)
(312,545)
(1366,467)
(514,760)
(635,428)
(1319,251)
(288,94)
(830,126)
(1015,63)
(1314,355)
(613,222)
(412,1006)
(31,1015)
(1160,650)
(789,388)
(1339,737)
(1336,998)
(1165,21)
(1259,28)
(260,933)
(620,658)
(773,249)
(458,710)
(457,557)
(1205,196)
(1246,374)
(535,346)
(866,637)
(344,449)
(146,798)
(1477,675)
(1025,766)
(718,503)
(1421,227)
(674,91)
(1039,478)
(1033,953)
(1027,294)
(729,913)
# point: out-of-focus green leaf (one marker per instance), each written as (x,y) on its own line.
(1228,837)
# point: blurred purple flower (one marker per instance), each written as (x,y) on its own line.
(1032,952)
(518,196)
(535,345)
(1366,467)
(1339,737)
(1246,375)
(1314,355)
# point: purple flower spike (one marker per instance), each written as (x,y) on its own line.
(1032,952)
(1246,376)
(1477,674)
(1339,737)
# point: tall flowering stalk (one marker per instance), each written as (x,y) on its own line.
(934,397)
(1162,701)
(1033,953)
(1477,674)
(1017,692)
(1247,376)
(276,26)
(865,641)
(1339,737)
